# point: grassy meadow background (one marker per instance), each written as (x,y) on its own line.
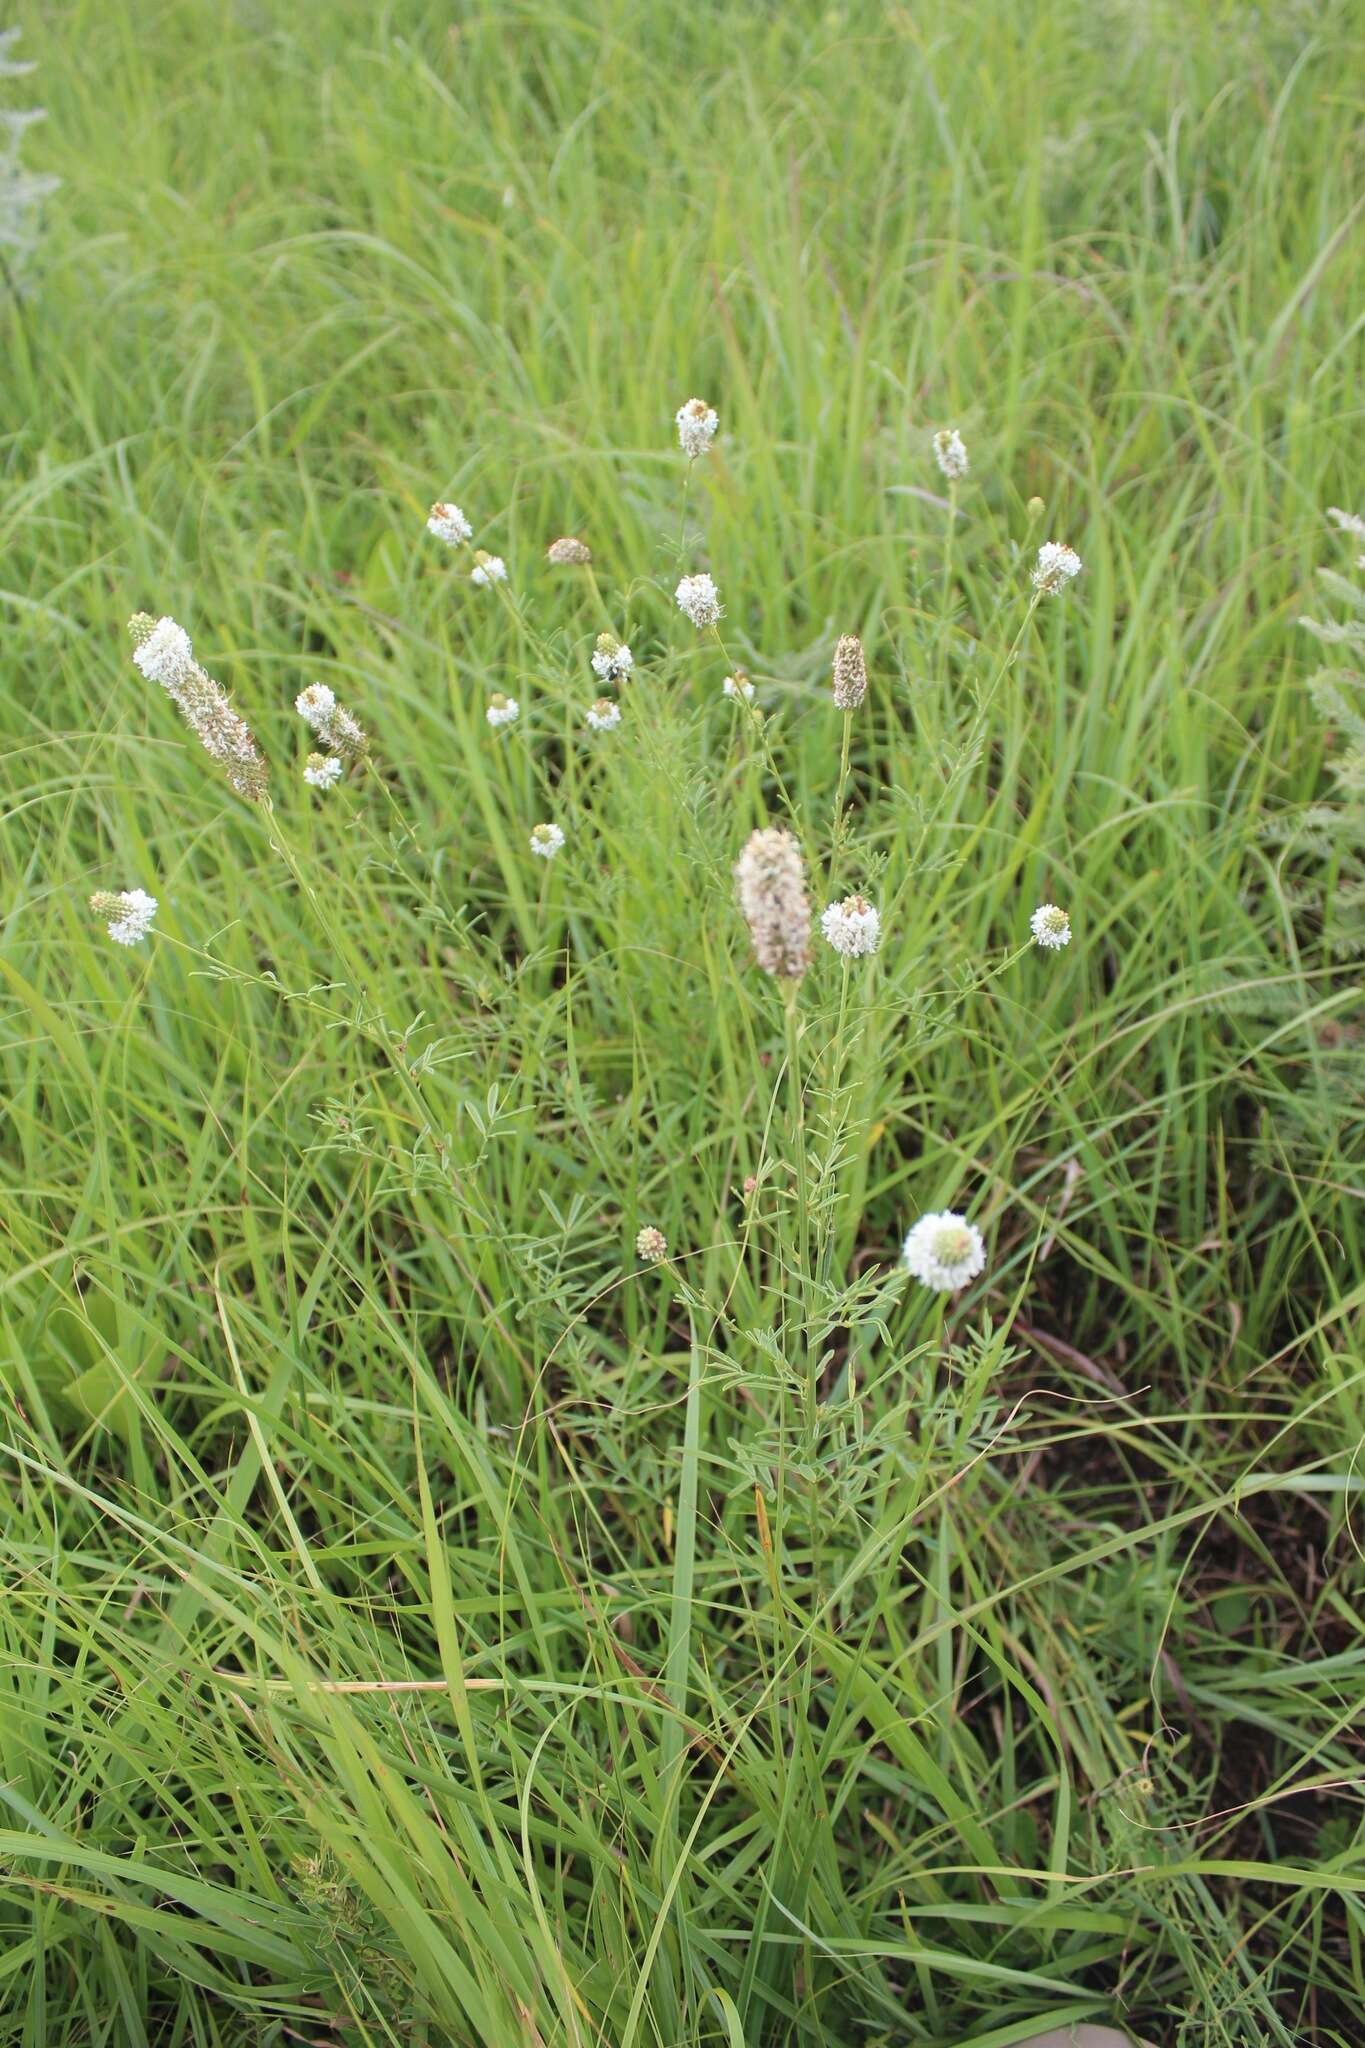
(423,1624)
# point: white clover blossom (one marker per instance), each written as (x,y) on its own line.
(322,771)
(739,687)
(944,1251)
(488,569)
(502,710)
(449,524)
(1057,564)
(852,927)
(165,656)
(699,598)
(950,453)
(602,715)
(1051,927)
(546,840)
(612,660)
(127,914)
(697,423)
(651,1245)
(1347,522)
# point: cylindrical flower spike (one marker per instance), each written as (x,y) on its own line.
(945,1251)
(335,727)
(162,652)
(699,598)
(1051,927)
(322,771)
(603,715)
(546,840)
(850,673)
(126,913)
(502,710)
(449,524)
(488,568)
(772,896)
(697,423)
(852,927)
(739,687)
(950,453)
(651,1245)
(1057,564)
(612,660)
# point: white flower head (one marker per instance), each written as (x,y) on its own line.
(1051,927)
(950,453)
(449,524)
(1057,564)
(852,927)
(699,598)
(322,771)
(339,732)
(162,652)
(502,710)
(651,1245)
(488,569)
(945,1251)
(697,423)
(602,715)
(739,687)
(164,655)
(316,704)
(568,552)
(1344,522)
(612,660)
(546,840)
(127,914)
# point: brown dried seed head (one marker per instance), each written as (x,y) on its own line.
(850,673)
(566,551)
(772,896)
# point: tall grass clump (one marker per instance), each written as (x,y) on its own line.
(681,1331)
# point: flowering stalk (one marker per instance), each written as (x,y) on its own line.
(162,652)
